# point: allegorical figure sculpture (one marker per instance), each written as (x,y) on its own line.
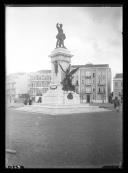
(60,36)
(67,81)
(56,67)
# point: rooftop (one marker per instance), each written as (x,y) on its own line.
(119,75)
(91,65)
(44,71)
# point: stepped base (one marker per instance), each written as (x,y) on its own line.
(61,109)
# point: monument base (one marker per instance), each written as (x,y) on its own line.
(56,96)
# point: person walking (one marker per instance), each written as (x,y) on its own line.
(116,104)
(30,101)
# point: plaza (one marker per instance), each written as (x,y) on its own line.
(61,116)
(83,140)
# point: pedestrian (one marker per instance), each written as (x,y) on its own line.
(25,101)
(116,104)
(30,101)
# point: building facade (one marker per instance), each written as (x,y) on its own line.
(93,82)
(118,86)
(16,85)
(39,83)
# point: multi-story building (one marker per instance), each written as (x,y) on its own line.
(94,82)
(118,86)
(39,83)
(16,85)
(10,89)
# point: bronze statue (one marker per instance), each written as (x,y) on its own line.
(60,36)
(67,81)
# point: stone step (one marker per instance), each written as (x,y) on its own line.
(63,110)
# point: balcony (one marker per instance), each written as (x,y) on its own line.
(101,92)
(88,92)
(88,84)
(101,84)
(88,77)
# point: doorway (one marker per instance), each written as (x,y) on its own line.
(88,98)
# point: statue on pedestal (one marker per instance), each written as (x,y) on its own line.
(60,36)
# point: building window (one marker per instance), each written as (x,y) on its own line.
(104,76)
(116,84)
(88,90)
(88,73)
(88,81)
(93,74)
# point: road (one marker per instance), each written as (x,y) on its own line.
(79,140)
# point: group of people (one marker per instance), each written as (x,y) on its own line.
(28,101)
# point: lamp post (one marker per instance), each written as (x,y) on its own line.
(77,87)
(103,94)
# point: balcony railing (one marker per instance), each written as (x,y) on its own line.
(87,92)
(101,92)
(88,77)
(101,84)
(88,84)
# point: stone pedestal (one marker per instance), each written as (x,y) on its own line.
(59,97)
(55,95)
(59,56)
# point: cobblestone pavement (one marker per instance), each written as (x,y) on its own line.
(43,141)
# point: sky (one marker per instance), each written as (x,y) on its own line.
(93,34)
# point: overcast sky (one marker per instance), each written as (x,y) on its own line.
(93,34)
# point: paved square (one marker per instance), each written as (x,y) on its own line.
(80,140)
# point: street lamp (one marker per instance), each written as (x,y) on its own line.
(103,94)
(76,87)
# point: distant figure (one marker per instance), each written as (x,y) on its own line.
(60,36)
(116,104)
(30,101)
(26,101)
(39,100)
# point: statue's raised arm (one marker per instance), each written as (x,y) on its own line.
(57,26)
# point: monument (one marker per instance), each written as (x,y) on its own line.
(61,90)
(61,97)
